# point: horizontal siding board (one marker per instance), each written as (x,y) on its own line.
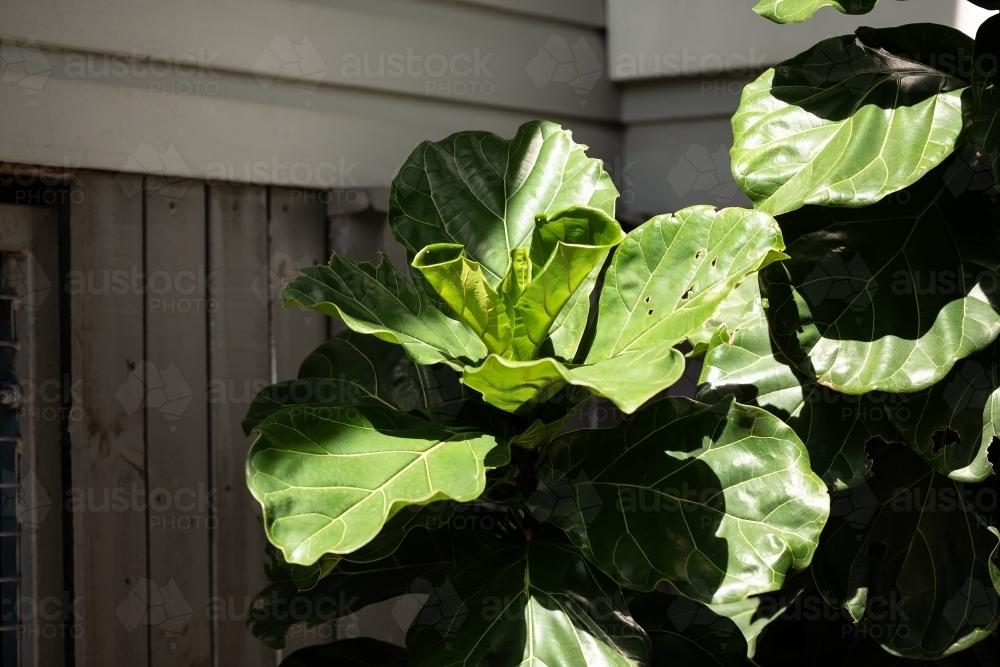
(440,45)
(345,138)
(654,38)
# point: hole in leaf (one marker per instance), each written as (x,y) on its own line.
(944,438)
(647,299)
(697,255)
(688,292)
(714,260)
(650,312)
(877,550)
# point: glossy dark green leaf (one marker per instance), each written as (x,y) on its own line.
(797,11)
(671,274)
(358,652)
(425,557)
(952,424)
(483,192)
(986,83)
(852,119)
(329,478)
(379,301)
(719,500)
(537,604)
(833,426)
(627,380)
(685,632)
(514,319)
(909,560)
(889,297)
(355,369)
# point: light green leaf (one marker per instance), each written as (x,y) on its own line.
(718,500)
(671,274)
(685,632)
(532,605)
(348,588)
(570,325)
(628,380)
(797,11)
(889,297)
(355,369)
(852,119)
(357,652)
(379,301)
(738,306)
(329,478)
(483,192)
(833,426)
(514,320)
(966,404)
(909,560)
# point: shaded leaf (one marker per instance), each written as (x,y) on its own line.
(986,83)
(354,369)
(719,500)
(357,652)
(670,275)
(909,560)
(328,479)
(425,557)
(797,11)
(685,632)
(431,516)
(379,301)
(539,603)
(852,119)
(627,380)
(966,404)
(889,297)
(833,426)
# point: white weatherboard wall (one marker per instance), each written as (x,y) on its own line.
(682,65)
(321,94)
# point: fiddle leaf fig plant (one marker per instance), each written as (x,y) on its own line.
(846,328)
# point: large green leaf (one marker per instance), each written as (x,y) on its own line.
(966,404)
(833,426)
(889,297)
(986,82)
(685,632)
(483,192)
(627,380)
(329,478)
(432,516)
(757,613)
(671,274)
(424,557)
(719,500)
(352,369)
(741,304)
(379,301)
(852,119)
(514,319)
(909,560)
(797,11)
(358,652)
(539,604)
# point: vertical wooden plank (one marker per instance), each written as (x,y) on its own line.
(108,451)
(239,365)
(298,239)
(180,492)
